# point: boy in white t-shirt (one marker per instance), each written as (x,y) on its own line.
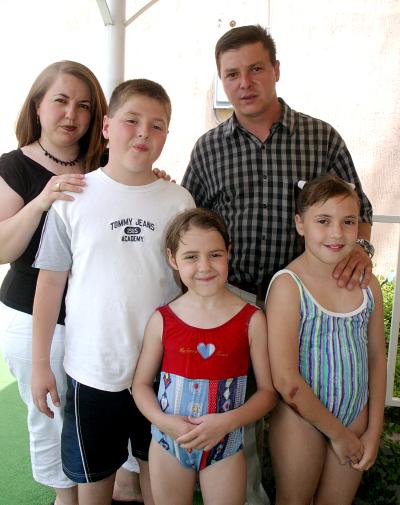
(108,244)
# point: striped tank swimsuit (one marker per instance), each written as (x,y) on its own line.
(333,353)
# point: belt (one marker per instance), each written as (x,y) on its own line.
(260,290)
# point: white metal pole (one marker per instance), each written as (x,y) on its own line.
(115,46)
(395,325)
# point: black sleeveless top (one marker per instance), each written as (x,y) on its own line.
(27,178)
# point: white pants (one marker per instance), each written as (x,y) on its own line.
(131,463)
(44,433)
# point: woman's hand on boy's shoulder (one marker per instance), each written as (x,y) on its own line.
(55,187)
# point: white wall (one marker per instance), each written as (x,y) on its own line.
(36,33)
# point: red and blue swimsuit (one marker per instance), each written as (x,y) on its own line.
(204,371)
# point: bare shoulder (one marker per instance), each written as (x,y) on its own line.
(375,287)
(257,330)
(257,320)
(155,323)
(282,286)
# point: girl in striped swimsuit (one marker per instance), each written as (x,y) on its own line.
(327,355)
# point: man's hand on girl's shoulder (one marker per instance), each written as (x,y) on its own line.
(354,270)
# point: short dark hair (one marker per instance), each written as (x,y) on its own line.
(243,35)
(143,87)
(201,218)
(321,189)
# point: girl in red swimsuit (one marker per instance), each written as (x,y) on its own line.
(204,341)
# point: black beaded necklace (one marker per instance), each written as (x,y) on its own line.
(63,163)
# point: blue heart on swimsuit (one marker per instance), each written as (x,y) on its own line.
(206,351)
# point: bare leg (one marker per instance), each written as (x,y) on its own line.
(97,493)
(66,496)
(145,482)
(329,493)
(298,453)
(171,483)
(127,486)
(225,482)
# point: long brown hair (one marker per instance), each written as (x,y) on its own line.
(28,129)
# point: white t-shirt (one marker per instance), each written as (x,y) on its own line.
(111,239)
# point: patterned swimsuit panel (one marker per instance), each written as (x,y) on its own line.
(203,371)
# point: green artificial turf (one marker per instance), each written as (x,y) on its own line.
(197,498)
(17,486)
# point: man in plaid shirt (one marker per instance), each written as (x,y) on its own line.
(247,168)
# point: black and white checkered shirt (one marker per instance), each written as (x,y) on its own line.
(251,185)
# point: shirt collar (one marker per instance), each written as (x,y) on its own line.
(230,125)
(287,119)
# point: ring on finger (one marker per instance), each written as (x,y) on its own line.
(57,186)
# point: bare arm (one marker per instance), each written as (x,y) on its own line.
(357,265)
(142,386)
(283,325)
(376,380)
(18,222)
(212,428)
(49,291)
